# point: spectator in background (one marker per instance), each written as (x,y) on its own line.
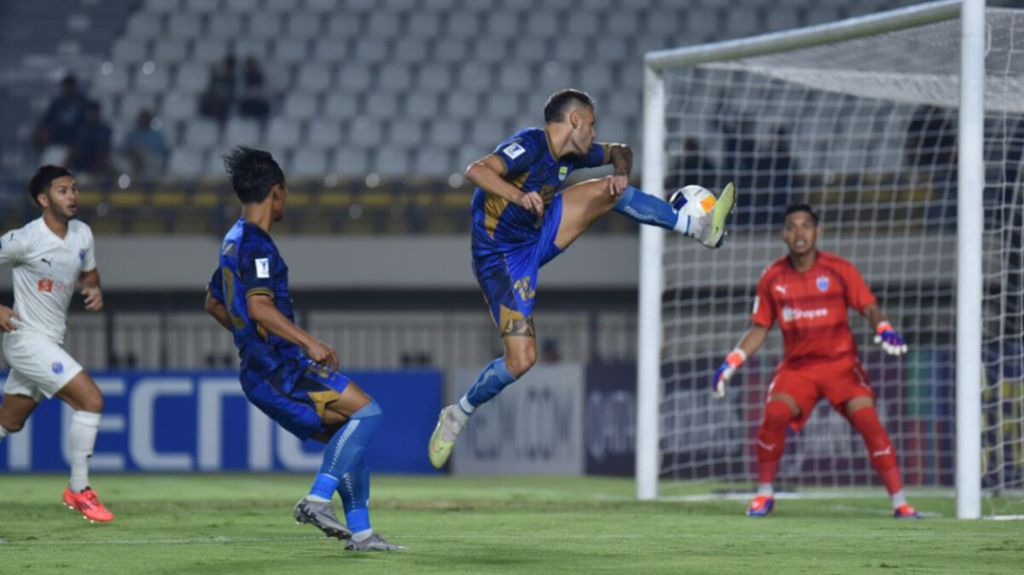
(64,117)
(90,149)
(216,101)
(145,148)
(252,98)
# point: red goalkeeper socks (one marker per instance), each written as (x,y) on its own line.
(880,449)
(771,440)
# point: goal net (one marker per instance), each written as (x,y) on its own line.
(864,129)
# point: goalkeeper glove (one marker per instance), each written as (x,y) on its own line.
(890,341)
(732,361)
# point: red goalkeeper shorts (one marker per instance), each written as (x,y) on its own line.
(838,382)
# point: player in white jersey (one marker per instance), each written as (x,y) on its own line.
(51,258)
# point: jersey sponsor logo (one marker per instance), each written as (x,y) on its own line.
(793,314)
(57,367)
(562,173)
(263,268)
(513,150)
(822,283)
(45,285)
(781,289)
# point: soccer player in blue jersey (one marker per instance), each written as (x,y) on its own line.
(522,219)
(286,372)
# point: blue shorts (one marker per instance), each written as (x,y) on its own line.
(295,394)
(508,273)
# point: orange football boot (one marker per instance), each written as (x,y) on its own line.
(88,504)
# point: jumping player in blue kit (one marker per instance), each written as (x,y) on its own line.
(286,372)
(522,219)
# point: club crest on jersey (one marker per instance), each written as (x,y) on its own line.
(57,367)
(562,173)
(81,255)
(822,283)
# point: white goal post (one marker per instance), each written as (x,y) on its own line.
(858,117)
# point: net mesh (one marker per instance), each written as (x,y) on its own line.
(865,131)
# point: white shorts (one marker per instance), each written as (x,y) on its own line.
(39,367)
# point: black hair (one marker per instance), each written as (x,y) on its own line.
(42,179)
(253,173)
(559,102)
(794,208)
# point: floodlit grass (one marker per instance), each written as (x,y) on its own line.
(242,524)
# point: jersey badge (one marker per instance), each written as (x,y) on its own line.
(562,173)
(57,367)
(81,255)
(513,150)
(822,283)
(263,268)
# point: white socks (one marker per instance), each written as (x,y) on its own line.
(765,490)
(3,433)
(898,498)
(464,411)
(82,437)
(362,535)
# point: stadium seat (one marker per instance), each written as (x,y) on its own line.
(291,49)
(353,77)
(323,134)
(391,162)
(462,105)
(202,6)
(424,25)
(152,79)
(462,25)
(309,163)
(394,78)
(330,49)
(570,50)
(360,6)
(540,24)
(129,50)
(224,26)
(422,106)
(247,46)
(516,76)
(342,26)
(178,106)
(201,133)
(502,24)
(241,132)
(433,161)
(184,26)
(406,133)
(502,104)
(321,6)
(434,78)
(262,26)
(400,5)
(383,105)
(365,134)
(491,50)
(382,24)
(169,51)
(450,50)
(349,163)
(371,50)
(112,81)
(341,106)
(595,78)
(144,25)
(410,50)
(446,132)
(282,6)
(185,163)
(475,77)
(299,105)
(314,78)
(241,6)
(283,133)
(162,6)
(302,26)
(207,51)
(611,51)
(583,25)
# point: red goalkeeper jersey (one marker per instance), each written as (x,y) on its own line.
(810,307)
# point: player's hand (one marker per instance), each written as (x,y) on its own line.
(7,319)
(322,354)
(891,342)
(616,184)
(93,298)
(532,202)
(732,361)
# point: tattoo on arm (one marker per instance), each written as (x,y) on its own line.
(621,157)
(520,327)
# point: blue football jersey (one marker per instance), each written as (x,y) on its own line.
(250,264)
(530,166)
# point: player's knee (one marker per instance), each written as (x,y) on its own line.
(93,403)
(777,414)
(11,425)
(521,361)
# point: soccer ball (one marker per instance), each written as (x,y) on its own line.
(694,201)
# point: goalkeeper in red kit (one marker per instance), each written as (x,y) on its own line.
(808,292)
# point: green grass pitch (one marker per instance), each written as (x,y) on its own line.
(241,524)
